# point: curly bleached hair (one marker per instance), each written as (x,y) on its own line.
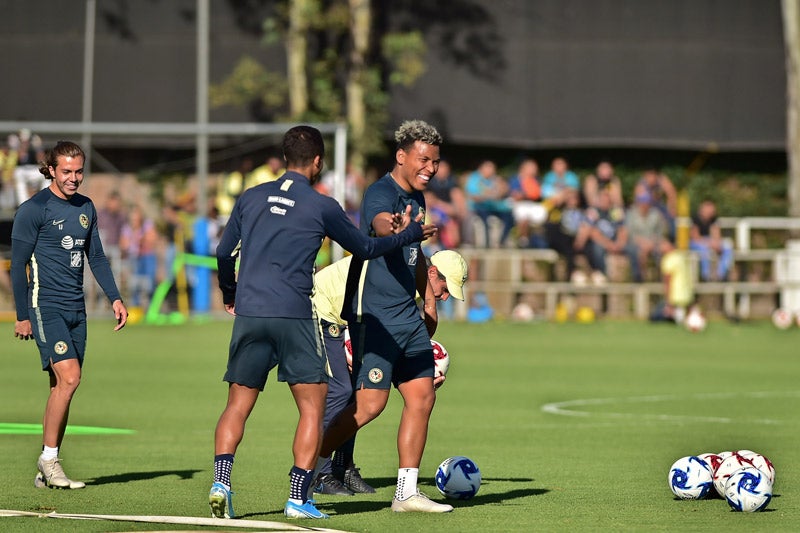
(416,130)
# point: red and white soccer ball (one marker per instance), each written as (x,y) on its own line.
(440,358)
(760,462)
(712,459)
(348,349)
(695,321)
(727,468)
(782,319)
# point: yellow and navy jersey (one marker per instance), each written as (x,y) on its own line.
(51,236)
(276,229)
(329,289)
(387,285)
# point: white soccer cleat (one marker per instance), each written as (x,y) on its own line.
(52,475)
(420,503)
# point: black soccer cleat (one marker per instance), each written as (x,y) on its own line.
(352,480)
(327,484)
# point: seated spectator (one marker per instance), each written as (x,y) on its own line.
(554,188)
(447,205)
(662,194)
(487,196)
(647,234)
(607,235)
(569,235)
(603,179)
(706,237)
(528,210)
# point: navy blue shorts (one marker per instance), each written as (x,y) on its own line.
(259,344)
(59,334)
(386,355)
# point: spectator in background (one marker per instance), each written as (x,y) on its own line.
(569,235)
(662,194)
(8,161)
(487,195)
(269,171)
(647,235)
(29,152)
(447,205)
(607,235)
(529,213)
(555,186)
(706,238)
(603,179)
(353,190)
(232,187)
(138,243)
(111,219)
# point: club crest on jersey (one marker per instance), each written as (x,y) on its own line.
(76,259)
(412,256)
(84,220)
(333,329)
(375,375)
(422,212)
(61,347)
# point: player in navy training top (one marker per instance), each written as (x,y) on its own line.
(391,341)
(53,231)
(276,229)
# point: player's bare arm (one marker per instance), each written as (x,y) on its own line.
(386,223)
(424,287)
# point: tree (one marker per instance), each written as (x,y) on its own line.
(791,31)
(343,57)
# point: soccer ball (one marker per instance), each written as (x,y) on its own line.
(695,321)
(690,478)
(441,359)
(458,477)
(712,459)
(348,349)
(727,468)
(760,462)
(782,319)
(522,312)
(748,490)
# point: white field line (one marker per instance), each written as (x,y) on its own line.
(572,407)
(274,527)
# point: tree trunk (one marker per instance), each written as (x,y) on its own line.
(296,53)
(360,16)
(791,31)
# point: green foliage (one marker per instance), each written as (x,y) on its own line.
(659,390)
(405,52)
(250,81)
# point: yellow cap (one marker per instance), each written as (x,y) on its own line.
(454,269)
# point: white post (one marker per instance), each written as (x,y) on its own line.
(88,82)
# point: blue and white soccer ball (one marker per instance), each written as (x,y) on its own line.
(748,490)
(690,478)
(458,478)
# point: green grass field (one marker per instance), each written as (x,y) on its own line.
(637,397)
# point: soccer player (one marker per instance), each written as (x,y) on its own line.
(277,229)
(447,272)
(391,342)
(52,233)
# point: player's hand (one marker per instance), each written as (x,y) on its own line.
(428,231)
(23,330)
(230,309)
(438,382)
(120,313)
(397,223)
